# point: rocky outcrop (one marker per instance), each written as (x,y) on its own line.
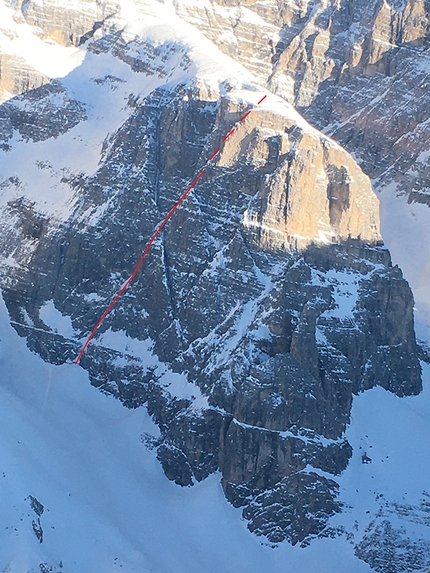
(17,76)
(27,115)
(303,500)
(315,194)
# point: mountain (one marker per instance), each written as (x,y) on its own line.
(262,331)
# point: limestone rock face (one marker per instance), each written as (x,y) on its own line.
(386,82)
(17,76)
(357,70)
(315,193)
(69,25)
(25,56)
(337,37)
(269,295)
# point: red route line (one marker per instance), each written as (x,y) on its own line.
(154,236)
(214,153)
(228,134)
(134,273)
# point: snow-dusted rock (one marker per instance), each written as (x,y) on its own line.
(267,301)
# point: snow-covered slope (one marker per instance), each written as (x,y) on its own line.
(27,61)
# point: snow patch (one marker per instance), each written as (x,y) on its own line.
(58,322)
(406,232)
(389,466)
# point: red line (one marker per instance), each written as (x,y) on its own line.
(228,134)
(214,153)
(134,273)
(154,236)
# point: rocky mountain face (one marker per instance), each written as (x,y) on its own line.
(356,70)
(374,101)
(269,299)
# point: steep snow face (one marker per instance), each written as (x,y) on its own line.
(25,35)
(154,48)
